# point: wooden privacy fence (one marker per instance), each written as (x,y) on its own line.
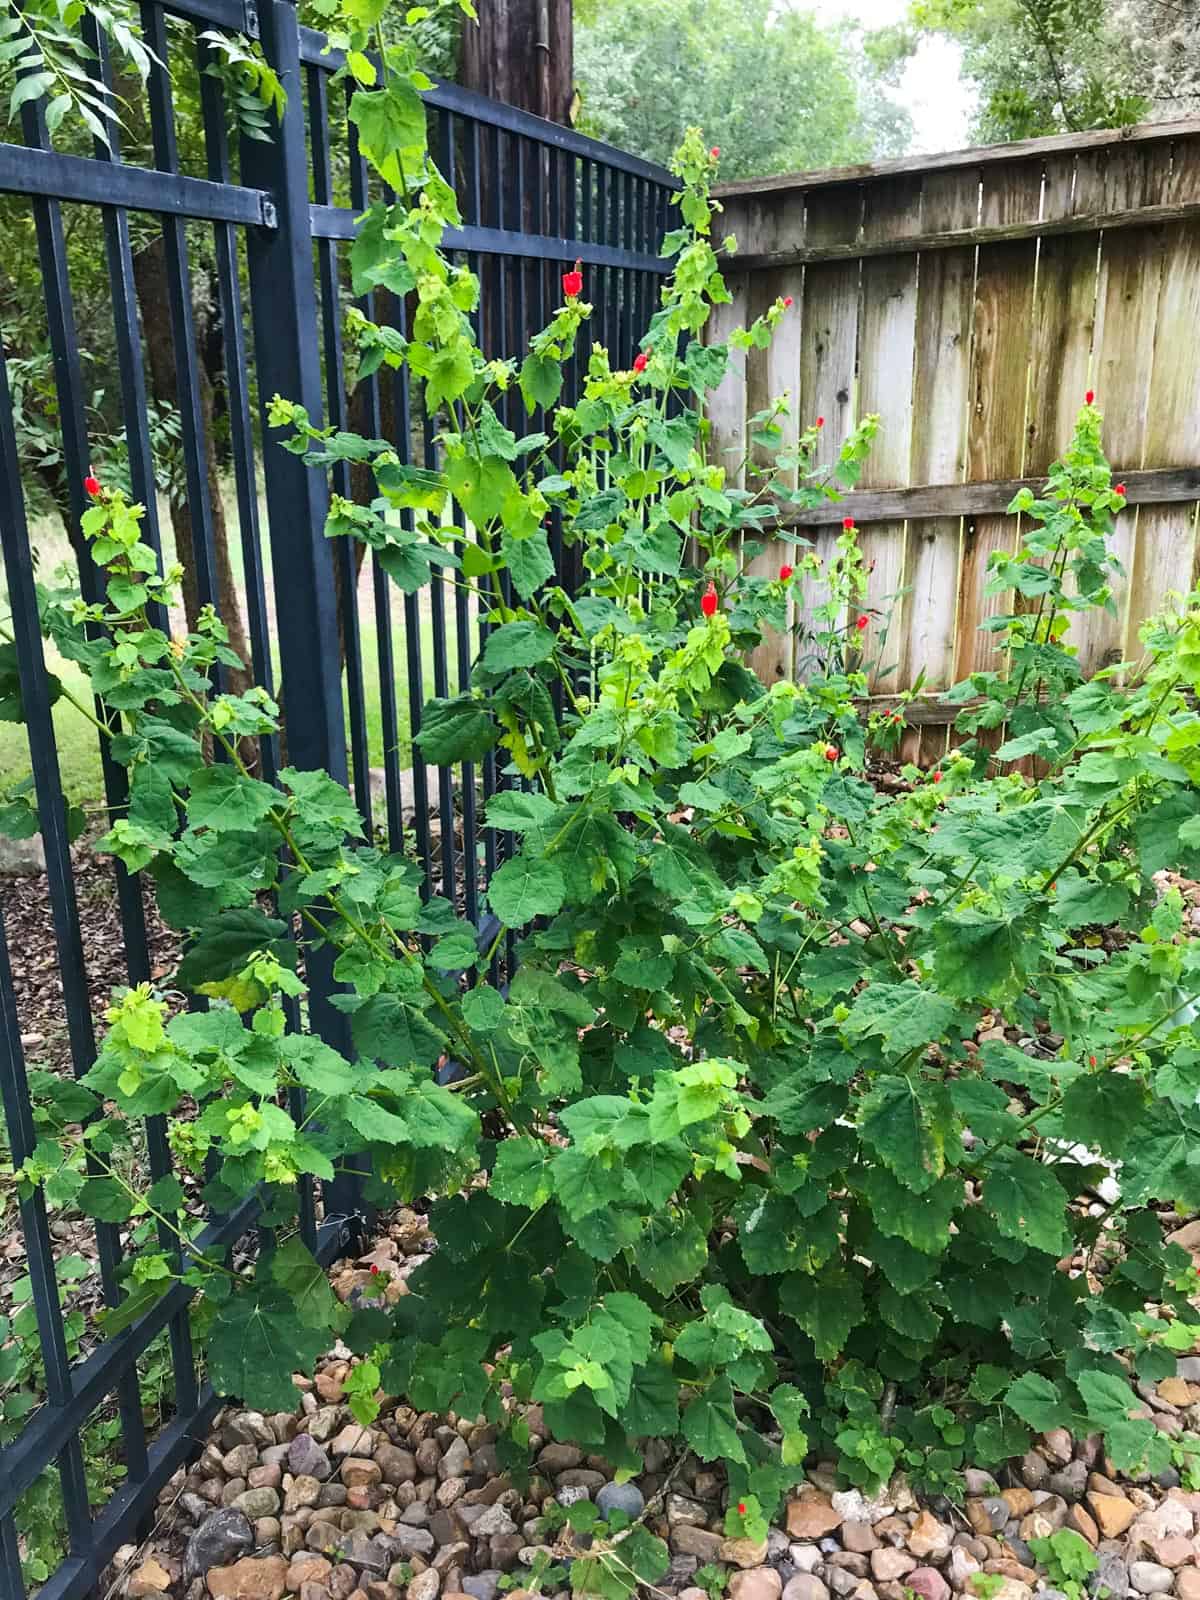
(971,300)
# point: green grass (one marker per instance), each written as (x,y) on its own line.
(78,740)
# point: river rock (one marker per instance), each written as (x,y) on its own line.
(755,1583)
(626,1497)
(928,1583)
(220,1539)
(251,1578)
(805,1586)
(306,1458)
(929,1537)
(812,1516)
(1113,1513)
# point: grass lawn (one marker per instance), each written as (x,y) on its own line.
(77,739)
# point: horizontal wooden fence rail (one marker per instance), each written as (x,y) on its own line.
(970,301)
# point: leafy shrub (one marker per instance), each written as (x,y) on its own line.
(727,1163)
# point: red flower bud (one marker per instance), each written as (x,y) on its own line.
(640,360)
(93,486)
(847,523)
(788,302)
(831,752)
(715,152)
(741,1508)
(1091,1061)
(709,601)
(1089,397)
(374,1270)
(862,622)
(1119,488)
(820,422)
(785,572)
(572,282)
(937,777)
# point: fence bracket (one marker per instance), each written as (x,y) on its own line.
(250,19)
(270,217)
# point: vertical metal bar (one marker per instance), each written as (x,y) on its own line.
(12,1579)
(437,588)
(344,550)
(39,1247)
(179,295)
(52,811)
(241,431)
(119,259)
(288,360)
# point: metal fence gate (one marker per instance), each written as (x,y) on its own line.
(534,197)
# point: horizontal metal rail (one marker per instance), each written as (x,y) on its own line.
(24,1460)
(339,222)
(107,183)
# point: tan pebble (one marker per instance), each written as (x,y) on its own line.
(1113,1513)
(1080,1522)
(307,1569)
(929,1537)
(151,1578)
(859,1536)
(888,1564)
(812,1516)
(744,1553)
(1018,1501)
(251,1578)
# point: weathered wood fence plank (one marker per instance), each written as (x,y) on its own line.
(971,299)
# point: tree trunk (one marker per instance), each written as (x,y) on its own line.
(150,276)
(522,52)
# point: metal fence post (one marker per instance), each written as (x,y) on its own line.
(286,332)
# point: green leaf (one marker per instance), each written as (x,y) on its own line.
(303,1280)
(483,1008)
(1103,1109)
(225,944)
(517,644)
(523,1175)
(1038,1402)
(1026,1201)
(459,729)
(904,1016)
(710,1426)
(387,1029)
(827,1307)
(908,1123)
(540,380)
(525,888)
(104,1199)
(256,1342)
(223,800)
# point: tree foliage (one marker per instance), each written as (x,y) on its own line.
(1051,66)
(774,90)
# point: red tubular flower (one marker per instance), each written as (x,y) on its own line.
(715,152)
(741,1508)
(785,572)
(831,752)
(788,302)
(709,601)
(937,777)
(862,623)
(1089,397)
(374,1270)
(572,282)
(1091,1061)
(1119,488)
(640,360)
(847,523)
(93,486)
(820,422)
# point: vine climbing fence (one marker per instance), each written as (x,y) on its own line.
(274,219)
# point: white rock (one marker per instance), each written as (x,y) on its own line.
(805,1557)
(853,1506)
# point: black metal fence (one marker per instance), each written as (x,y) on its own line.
(347,653)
